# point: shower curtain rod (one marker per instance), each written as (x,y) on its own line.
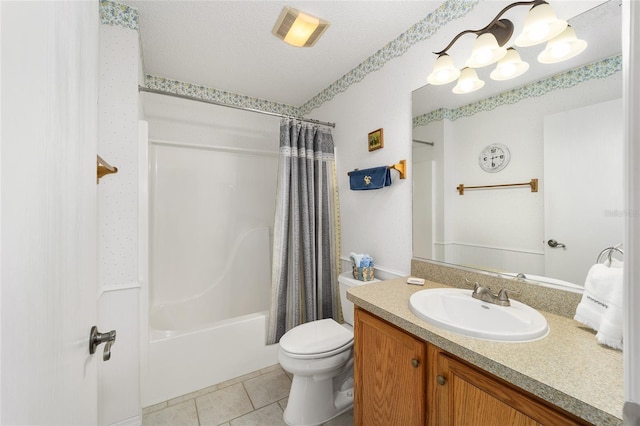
(206,101)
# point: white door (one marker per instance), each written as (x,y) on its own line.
(48,212)
(583,187)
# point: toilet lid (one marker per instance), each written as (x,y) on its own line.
(315,337)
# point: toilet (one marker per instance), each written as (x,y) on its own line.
(319,354)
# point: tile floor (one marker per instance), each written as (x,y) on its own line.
(257,398)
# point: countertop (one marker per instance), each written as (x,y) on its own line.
(568,368)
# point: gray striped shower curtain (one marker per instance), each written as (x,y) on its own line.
(306,239)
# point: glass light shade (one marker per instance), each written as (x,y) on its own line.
(540,25)
(563,47)
(511,66)
(486,51)
(443,71)
(301,29)
(468,82)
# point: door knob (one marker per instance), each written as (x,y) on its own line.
(555,244)
(415,363)
(96,338)
(441,380)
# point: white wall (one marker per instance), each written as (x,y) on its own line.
(118,260)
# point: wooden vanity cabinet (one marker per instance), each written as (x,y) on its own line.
(389,374)
(402,380)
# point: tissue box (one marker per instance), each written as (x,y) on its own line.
(362,273)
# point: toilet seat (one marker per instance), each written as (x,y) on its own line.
(316,339)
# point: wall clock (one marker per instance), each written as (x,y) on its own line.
(494,158)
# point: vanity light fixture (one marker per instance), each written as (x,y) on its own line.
(540,25)
(468,82)
(443,71)
(510,66)
(298,28)
(562,47)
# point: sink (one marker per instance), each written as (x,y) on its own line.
(455,310)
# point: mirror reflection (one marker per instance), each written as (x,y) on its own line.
(563,129)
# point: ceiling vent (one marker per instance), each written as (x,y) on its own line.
(299,29)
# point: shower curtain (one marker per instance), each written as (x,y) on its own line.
(305,268)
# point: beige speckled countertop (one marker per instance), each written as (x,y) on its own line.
(567,368)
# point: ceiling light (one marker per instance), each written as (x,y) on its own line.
(541,24)
(486,51)
(562,47)
(511,66)
(443,71)
(468,82)
(299,29)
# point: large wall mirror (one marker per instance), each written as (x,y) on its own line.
(562,125)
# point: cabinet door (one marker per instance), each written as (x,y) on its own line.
(462,395)
(389,374)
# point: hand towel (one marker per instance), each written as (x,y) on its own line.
(374,178)
(601,305)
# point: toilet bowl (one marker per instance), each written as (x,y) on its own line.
(319,354)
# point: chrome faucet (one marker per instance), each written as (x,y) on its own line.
(486,295)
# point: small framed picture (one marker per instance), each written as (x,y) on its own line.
(376,140)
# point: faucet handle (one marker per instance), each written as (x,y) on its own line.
(504,294)
(472,283)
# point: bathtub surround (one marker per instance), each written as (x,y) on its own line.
(306,242)
(213,173)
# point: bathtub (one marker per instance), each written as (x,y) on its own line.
(216,335)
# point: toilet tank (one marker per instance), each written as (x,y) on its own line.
(346,281)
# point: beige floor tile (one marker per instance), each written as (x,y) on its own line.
(223,405)
(283,403)
(183,414)
(270,415)
(270,368)
(268,388)
(344,419)
(192,395)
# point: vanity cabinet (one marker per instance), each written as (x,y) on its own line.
(402,380)
(389,374)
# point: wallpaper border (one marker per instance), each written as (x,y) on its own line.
(118,14)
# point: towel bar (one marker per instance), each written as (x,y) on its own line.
(401,167)
(533,184)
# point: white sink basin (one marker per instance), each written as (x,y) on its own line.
(455,310)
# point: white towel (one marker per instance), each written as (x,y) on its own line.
(601,304)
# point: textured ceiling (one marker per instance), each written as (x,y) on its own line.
(228,45)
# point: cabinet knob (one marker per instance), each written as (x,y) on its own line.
(441,380)
(415,363)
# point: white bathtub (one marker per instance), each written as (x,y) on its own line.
(189,361)
(217,334)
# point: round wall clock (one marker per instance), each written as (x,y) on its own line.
(494,158)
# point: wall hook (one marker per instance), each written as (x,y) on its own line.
(104,168)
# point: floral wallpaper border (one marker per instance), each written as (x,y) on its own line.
(227,98)
(113,13)
(600,69)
